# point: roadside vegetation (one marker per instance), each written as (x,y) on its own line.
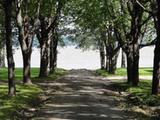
(109,26)
(138,95)
(123,72)
(34,74)
(18,73)
(134,98)
(27,96)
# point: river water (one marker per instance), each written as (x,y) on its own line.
(69,58)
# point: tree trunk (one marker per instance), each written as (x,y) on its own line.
(107,64)
(46,27)
(27,50)
(2,44)
(132,51)
(45,60)
(53,54)
(8,37)
(26,68)
(156,66)
(45,42)
(102,55)
(2,58)
(25,38)
(113,64)
(133,64)
(129,68)
(123,62)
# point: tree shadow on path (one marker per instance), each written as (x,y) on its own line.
(79,96)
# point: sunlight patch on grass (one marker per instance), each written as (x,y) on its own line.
(123,72)
(18,73)
(58,73)
(26,96)
(34,74)
(140,95)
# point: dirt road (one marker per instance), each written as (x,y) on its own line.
(79,96)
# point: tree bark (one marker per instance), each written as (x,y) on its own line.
(102,55)
(133,64)
(45,60)
(53,56)
(45,42)
(123,62)
(2,44)
(26,68)
(8,37)
(156,66)
(47,26)
(113,63)
(132,48)
(107,64)
(2,58)
(111,60)
(156,69)
(25,38)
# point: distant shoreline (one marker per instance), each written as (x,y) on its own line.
(73,58)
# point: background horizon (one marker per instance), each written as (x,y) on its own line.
(74,58)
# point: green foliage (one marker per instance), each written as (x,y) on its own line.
(89,20)
(47,8)
(26,95)
(123,72)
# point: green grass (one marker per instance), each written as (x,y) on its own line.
(140,95)
(18,73)
(34,74)
(26,97)
(123,72)
(58,73)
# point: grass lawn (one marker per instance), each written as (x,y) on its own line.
(123,72)
(58,73)
(18,73)
(26,96)
(34,74)
(140,95)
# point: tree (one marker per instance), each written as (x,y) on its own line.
(129,25)
(123,62)
(53,51)
(25,36)
(93,18)
(8,37)
(2,37)
(102,54)
(47,26)
(156,67)
(112,49)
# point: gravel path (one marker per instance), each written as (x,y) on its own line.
(79,96)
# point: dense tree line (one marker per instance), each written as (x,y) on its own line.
(129,25)
(30,20)
(104,25)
